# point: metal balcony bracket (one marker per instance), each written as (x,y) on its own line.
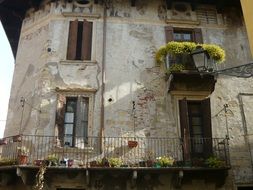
(178,179)
(22,174)
(87,177)
(27,176)
(243,71)
(134,178)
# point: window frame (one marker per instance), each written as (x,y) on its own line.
(197,36)
(59,125)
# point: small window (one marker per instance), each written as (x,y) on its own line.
(72,120)
(183,34)
(79,40)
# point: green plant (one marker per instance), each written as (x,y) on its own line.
(115,162)
(53,159)
(215,51)
(8,162)
(23,151)
(175,67)
(214,162)
(165,161)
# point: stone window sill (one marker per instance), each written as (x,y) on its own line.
(78,62)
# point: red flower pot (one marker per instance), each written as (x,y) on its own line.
(38,162)
(132,144)
(22,159)
(70,163)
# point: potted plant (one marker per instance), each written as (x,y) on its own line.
(23,155)
(70,162)
(53,160)
(214,162)
(7,162)
(164,161)
(38,162)
(115,162)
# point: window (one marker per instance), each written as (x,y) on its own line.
(196,132)
(72,120)
(183,34)
(79,40)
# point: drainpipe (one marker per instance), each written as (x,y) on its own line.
(103,78)
(244,124)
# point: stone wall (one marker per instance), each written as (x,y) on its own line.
(133,34)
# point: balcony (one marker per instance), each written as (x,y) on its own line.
(116,152)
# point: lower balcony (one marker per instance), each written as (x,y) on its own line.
(116,152)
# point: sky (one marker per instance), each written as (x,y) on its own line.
(6,72)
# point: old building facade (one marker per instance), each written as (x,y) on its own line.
(86,82)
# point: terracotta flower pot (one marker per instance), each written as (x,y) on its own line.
(132,144)
(22,159)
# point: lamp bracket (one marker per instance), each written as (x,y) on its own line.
(243,71)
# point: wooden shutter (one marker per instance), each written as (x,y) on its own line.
(184,125)
(59,120)
(72,41)
(169,34)
(86,40)
(207,126)
(198,35)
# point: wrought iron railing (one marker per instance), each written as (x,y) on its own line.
(126,151)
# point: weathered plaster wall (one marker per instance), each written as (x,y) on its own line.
(133,36)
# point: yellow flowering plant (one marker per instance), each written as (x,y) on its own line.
(216,52)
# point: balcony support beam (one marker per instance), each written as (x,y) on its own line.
(27,176)
(87,177)
(178,179)
(134,178)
